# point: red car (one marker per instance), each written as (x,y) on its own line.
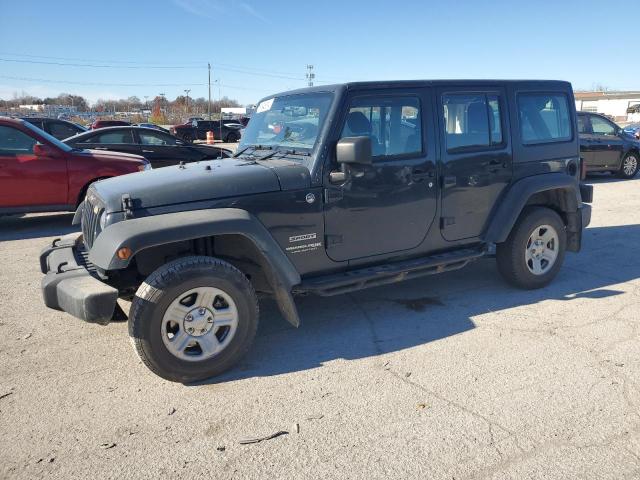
(39,173)
(108,123)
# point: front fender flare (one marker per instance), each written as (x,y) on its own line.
(512,203)
(141,233)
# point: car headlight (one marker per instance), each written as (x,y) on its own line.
(145,166)
(103,220)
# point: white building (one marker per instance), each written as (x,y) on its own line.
(618,105)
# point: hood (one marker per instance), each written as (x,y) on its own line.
(200,181)
(109,155)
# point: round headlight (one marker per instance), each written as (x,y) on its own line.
(103,220)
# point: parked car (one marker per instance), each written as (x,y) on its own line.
(161,149)
(605,147)
(39,173)
(60,129)
(197,130)
(151,125)
(108,123)
(346,198)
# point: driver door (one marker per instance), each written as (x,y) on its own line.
(607,147)
(26,179)
(387,206)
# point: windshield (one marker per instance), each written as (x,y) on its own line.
(51,139)
(291,122)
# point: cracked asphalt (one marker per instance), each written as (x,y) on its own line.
(456,376)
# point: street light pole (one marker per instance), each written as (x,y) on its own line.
(187,104)
(209,104)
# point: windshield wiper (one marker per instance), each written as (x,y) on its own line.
(301,153)
(254,148)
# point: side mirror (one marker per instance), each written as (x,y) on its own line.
(354,150)
(43,150)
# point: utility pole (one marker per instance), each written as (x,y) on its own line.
(209,104)
(310,75)
(187,90)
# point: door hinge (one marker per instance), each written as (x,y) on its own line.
(332,240)
(127,206)
(447,221)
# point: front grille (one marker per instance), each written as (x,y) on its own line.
(90,222)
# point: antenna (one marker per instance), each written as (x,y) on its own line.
(310,75)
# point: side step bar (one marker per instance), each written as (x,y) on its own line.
(339,283)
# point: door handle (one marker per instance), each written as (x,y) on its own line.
(100,148)
(147,151)
(449,181)
(419,175)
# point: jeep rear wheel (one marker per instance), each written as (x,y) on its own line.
(193,318)
(534,251)
(629,166)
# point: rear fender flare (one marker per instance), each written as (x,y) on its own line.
(516,198)
(141,233)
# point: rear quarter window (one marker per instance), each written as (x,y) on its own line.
(544,118)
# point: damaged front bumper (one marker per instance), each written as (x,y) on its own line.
(72,284)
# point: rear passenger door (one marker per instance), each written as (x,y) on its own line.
(476,154)
(587,142)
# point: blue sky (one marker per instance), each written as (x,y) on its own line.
(261,47)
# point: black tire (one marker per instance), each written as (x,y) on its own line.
(232,137)
(628,171)
(510,255)
(164,286)
(187,138)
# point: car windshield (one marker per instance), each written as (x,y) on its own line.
(291,122)
(51,139)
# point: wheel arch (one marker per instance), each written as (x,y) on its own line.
(557,191)
(237,235)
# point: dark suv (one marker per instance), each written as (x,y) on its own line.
(333,189)
(606,147)
(228,132)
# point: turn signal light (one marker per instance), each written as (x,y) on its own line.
(124,253)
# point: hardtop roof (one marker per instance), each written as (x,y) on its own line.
(555,84)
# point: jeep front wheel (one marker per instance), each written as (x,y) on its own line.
(534,251)
(193,318)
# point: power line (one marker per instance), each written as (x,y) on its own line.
(102,84)
(94,60)
(93,65)
(155,65)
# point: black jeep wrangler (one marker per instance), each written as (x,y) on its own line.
(333,189)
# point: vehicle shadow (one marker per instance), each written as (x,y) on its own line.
(604,177)
(404,315)
(36,226)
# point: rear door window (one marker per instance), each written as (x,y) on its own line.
(472,120)
(544,118)
(583,125)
